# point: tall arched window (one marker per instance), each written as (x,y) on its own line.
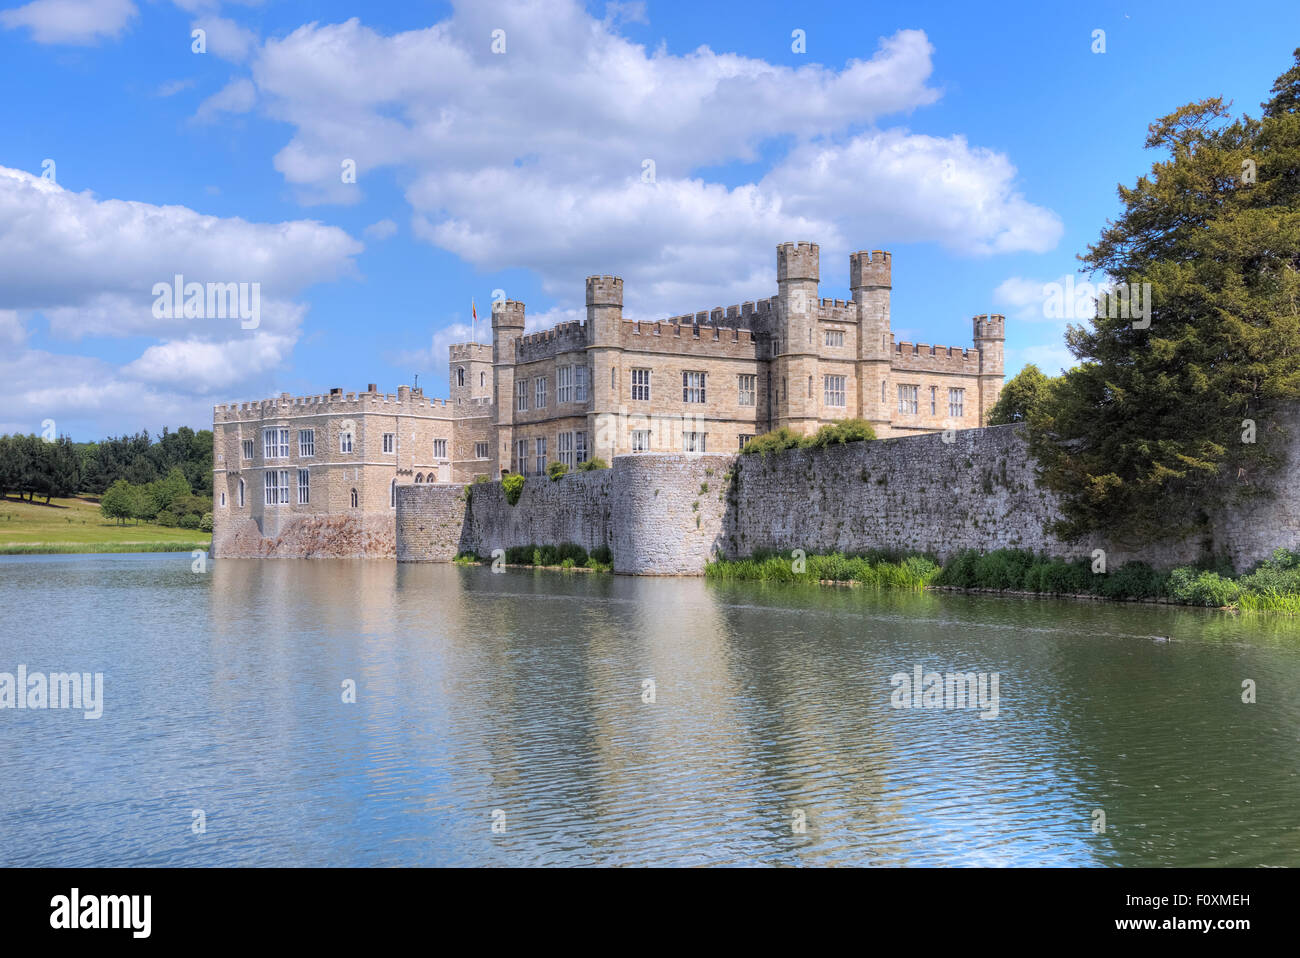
(241,493)
(354,498)
(419,477)
(460,375)
(392,495)
(482,379)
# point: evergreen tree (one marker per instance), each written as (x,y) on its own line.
(1156,420)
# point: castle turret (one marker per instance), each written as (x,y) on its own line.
(794,371)
(469,372)
(605,355)
(870,281)
(507,327)
(990,335)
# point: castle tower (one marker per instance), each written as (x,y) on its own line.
(507,327)
(870,281)
(794,371)
(990,335)
(469,372)
(605,354)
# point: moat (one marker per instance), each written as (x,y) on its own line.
(523,699)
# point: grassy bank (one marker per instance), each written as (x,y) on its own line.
(1272,586)
(76,525)
(567,555)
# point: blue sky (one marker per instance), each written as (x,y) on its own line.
(981,145)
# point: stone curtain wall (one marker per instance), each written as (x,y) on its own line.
(668,514)
(347,536)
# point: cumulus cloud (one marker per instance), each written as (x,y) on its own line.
(89,266)
(579,151)
(237,96)
(73,22)
(226,39)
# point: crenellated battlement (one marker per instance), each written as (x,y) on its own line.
(798,261)
(508,312)
(604,291)
(869,269)
(468,352)
(922,357)
(993,327)
(562,338)
(407,401)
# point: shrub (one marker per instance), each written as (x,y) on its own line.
(602,555)
(591,465)
(1134,580)
(556,470)
(512,485)
(189,521)
(777,440)
(167,518)
(1194,587)
(205,524)
(479,480)
(838,433)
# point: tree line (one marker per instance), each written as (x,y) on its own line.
(32,466)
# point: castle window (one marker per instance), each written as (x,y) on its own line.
(482,379)
(540,389)
(223,500)
(933,404)
(695,441)
(460,375)
(541,455)
(693,387)
(480,450)
(241,493)
(882,390)
(345,441)
(564,448)
(748,386)
(810,387)
(306,442)
(834,337)
(521,456)
(564,384)
(354,498)
(275,443)
(834,391)
(390,441)
(641,384)
(640,440)
(304,487)
(392,494)
(440,449)
(579,383)
(579,448)
(744,439)
(521,396)
(277,487)
(419,478)
(907,402)
(248,448)
(956,402)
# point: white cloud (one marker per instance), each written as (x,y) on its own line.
(172,87)
(381,230)
(88,266)
(535,158)
(75,22)
(237,96)
(226,39)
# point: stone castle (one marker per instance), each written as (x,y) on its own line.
(319,475)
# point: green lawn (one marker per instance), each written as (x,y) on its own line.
(75,525)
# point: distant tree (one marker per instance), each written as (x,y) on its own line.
(118,502)
(1023,393)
